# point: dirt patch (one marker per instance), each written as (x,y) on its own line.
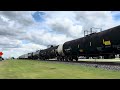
(3,62)
(52,68)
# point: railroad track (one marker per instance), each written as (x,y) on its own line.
(104,65)
(89,62)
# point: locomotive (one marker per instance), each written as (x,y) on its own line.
(105,43)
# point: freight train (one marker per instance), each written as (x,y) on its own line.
(105,44)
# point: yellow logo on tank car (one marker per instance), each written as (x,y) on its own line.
(106,42)
(81,50)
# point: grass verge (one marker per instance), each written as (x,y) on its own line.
(30,69)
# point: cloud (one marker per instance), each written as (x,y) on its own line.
(98,19)
(9,43)
(65,26)
(73,23)
(26,31)
(43,37)
(19,17)
(13,25)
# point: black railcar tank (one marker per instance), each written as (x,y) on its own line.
(105,43)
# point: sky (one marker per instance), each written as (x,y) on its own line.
(22,32)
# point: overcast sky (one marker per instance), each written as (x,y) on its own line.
(27,31)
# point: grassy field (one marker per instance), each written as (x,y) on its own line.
(26,69)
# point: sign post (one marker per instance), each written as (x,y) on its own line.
(1,53)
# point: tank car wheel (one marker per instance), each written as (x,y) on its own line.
(112,56)
(66,59)
(70,59)
(106,56)
(61,59)
(57,58)
(76,59)
(87,57)
(98,57)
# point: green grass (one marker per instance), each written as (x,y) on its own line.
(29,69)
